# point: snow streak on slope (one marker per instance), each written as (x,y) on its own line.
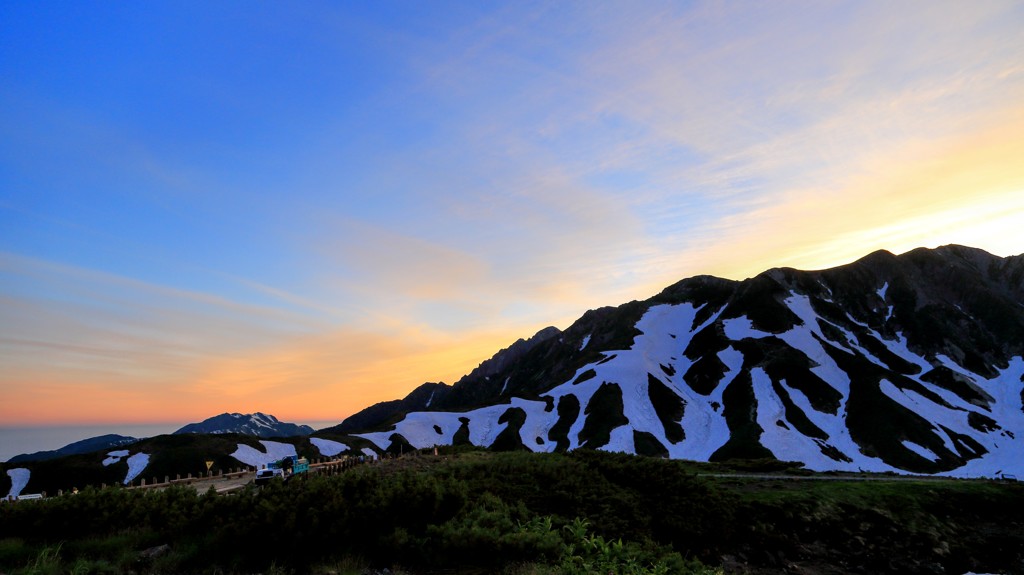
(586,340)
(794,446)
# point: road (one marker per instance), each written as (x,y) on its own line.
(821,477)
(223,485)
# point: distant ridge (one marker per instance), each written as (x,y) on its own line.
(76,448)
(256,424)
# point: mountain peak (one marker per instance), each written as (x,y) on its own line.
(258,424)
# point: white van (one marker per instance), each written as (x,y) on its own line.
(263,476)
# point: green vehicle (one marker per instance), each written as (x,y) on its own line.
(291,465)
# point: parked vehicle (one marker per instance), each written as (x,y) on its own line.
(285,468)
(265,475)
(292,465)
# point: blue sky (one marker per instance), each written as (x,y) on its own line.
(303,209)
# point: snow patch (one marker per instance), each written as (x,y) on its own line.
(253,457)
(586,340)
(327,447)
(19,479)
(115,457)
(136,464)
(742,328)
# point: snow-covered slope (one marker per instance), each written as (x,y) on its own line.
(908,364)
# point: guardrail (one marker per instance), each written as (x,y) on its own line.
(324,466)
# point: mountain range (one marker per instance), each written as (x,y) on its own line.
(909,363)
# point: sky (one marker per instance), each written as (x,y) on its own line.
(306,208)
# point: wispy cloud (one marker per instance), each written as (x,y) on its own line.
(736,116)
(401,209)
(80,345)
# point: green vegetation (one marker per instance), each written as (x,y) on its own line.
(470,511)
(605,413)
